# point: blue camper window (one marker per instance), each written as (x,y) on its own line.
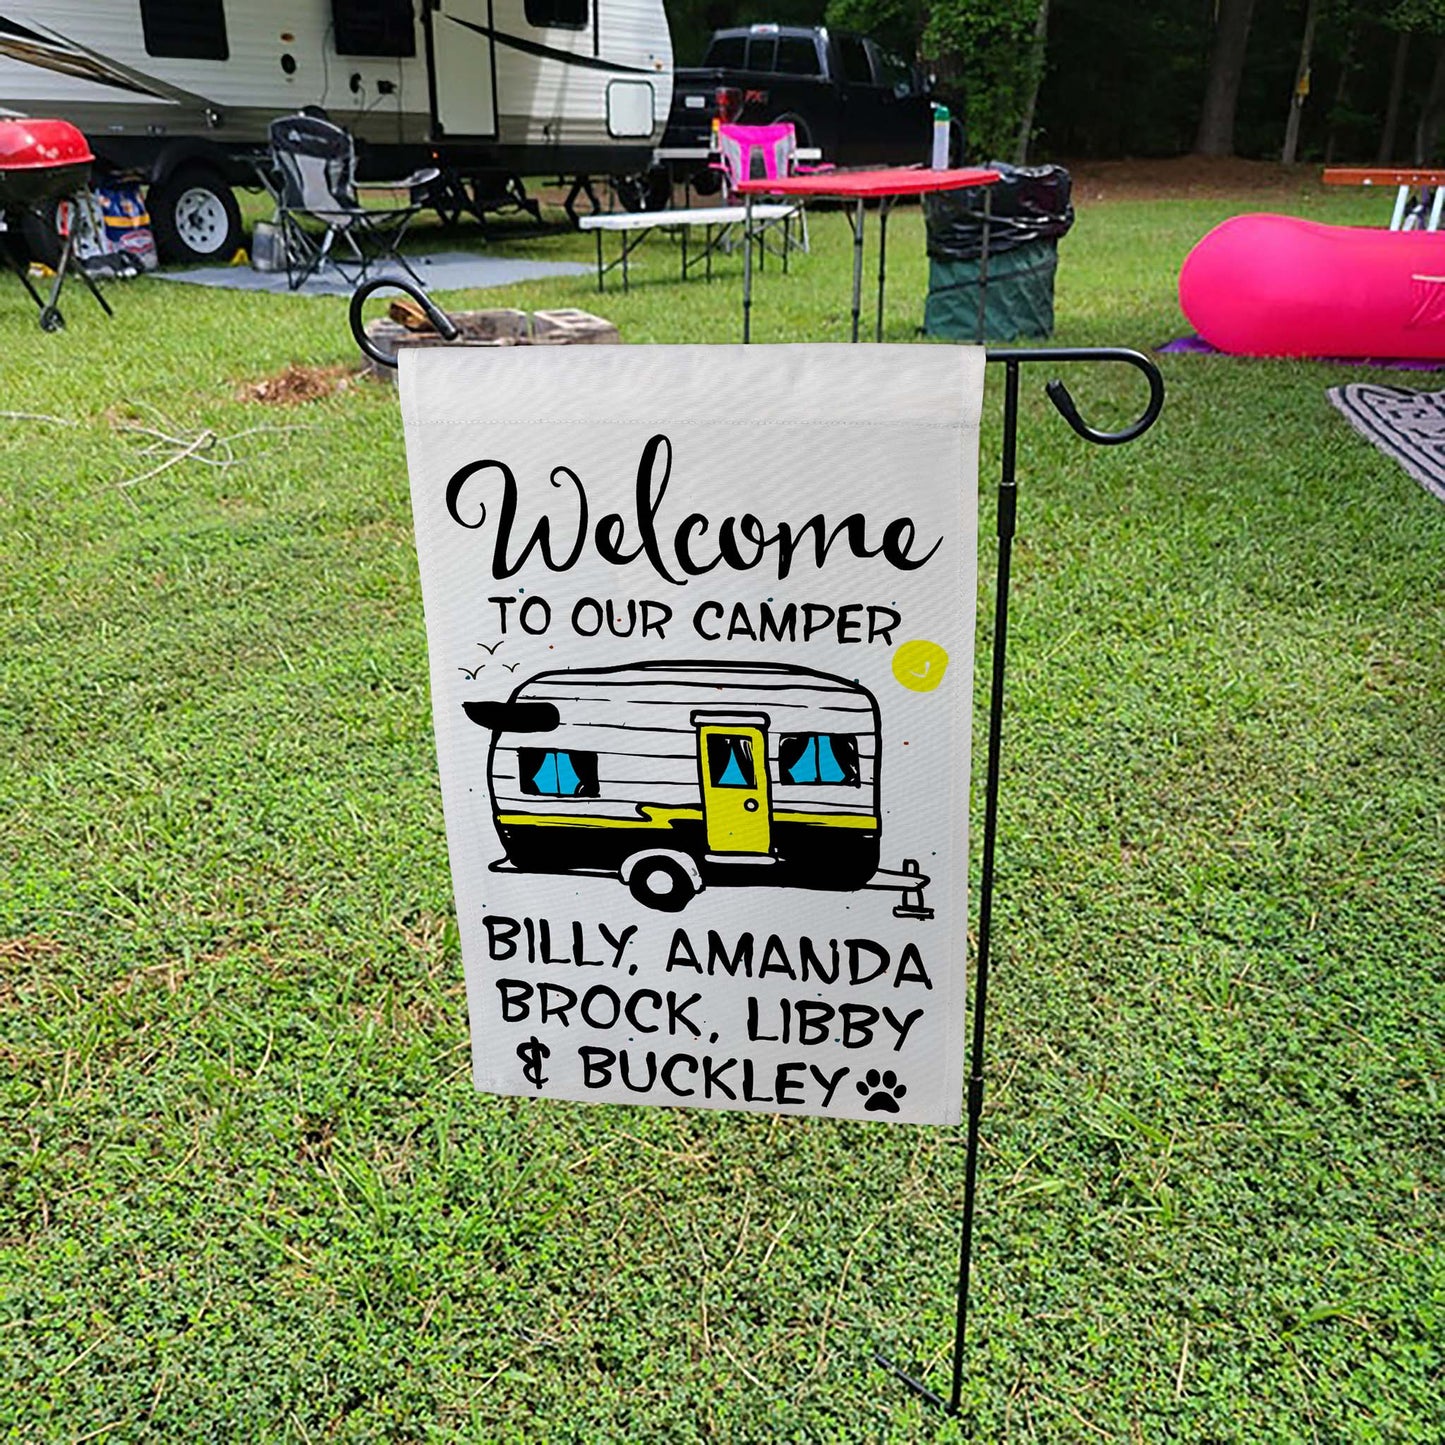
(730,761)
(549,773)
(819,758)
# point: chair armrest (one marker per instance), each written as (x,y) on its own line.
(423,177)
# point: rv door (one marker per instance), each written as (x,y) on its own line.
(463,69)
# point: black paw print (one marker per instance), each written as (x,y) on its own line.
(883,1091)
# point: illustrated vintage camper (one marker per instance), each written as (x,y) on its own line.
(675,776)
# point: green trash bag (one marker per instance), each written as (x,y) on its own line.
(1018,300)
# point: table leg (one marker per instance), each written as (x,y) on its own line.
(857,263)
(1402,197)
(685,230)
(1435,206)
(624,262)
(708,255)
(747,268)
(883,209)
(598,234)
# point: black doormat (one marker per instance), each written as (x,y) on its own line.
(1407,425)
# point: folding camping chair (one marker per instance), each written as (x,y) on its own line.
(762,152)
(314,161)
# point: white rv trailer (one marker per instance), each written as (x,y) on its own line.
(182,91)
(673,776)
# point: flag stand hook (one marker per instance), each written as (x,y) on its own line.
(1058,394)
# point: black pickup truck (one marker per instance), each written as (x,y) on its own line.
(844,94)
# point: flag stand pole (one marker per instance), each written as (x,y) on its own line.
(1058,394)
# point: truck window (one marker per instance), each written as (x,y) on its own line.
(185,29)
(890,70)
(797,55)
(762,50)
(557,14)
(726,53)
(856,70)
(373,27)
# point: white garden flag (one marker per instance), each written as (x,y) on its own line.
(701,633)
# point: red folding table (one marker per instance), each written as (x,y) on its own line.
(860,187)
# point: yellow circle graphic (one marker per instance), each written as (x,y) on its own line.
(920,665)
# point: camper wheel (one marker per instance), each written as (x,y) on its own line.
(194,215)
(665,881)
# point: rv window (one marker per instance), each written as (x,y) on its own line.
(551,774)
(819,758)
(730,762)
(373,27)
(185,29)
(557,14)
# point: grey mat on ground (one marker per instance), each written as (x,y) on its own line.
(446,271)
(1407,425)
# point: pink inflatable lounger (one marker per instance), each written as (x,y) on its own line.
(1279,286)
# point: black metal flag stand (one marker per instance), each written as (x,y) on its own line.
(1058,393)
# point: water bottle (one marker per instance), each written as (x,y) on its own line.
(940,138)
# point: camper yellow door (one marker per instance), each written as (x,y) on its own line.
(734,766)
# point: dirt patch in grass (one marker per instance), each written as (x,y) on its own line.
(297,384)
(1183,177)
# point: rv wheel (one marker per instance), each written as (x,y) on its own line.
(194,216)
(661,883)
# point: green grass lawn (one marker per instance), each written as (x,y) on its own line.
(246,1189)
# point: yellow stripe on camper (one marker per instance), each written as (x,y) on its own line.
(828,820)
(652,818)
(665,817)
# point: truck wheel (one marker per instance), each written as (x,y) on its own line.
(194,216)
(661,883)
(648,191)
(802,131)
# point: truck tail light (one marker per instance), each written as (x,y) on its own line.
(729,103)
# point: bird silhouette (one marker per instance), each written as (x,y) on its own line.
(489,649)
(510,666)
(471,672)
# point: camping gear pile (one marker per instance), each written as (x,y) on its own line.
(1008,293)
(43,163)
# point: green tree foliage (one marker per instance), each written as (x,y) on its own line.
(1127,79)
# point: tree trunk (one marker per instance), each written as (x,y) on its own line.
(1347,65)
(1301,86)
(1392,107)
(1226,68)
(1427,128)
(1037,55)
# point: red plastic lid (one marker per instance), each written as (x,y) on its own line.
(27,144)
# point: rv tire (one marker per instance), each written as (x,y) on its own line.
(660,882)
(194,215)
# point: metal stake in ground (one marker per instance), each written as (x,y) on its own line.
(1058,393)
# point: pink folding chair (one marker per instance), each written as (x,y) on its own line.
(761,152)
